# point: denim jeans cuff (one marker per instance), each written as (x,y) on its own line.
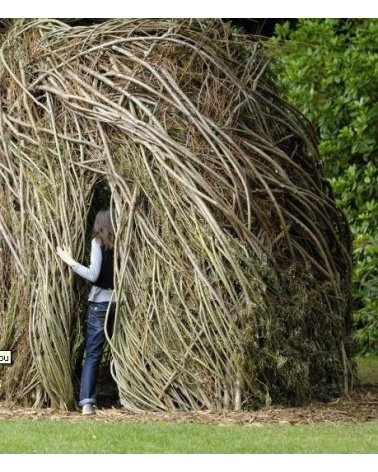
(88,400)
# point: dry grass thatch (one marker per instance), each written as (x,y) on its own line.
(233,272)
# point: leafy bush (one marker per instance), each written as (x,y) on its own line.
(329,70)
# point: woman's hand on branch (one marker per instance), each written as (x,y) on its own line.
(65,254)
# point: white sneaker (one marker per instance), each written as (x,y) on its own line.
(88,409)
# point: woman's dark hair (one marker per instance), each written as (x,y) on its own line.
(103,230)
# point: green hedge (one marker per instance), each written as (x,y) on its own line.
(328,68)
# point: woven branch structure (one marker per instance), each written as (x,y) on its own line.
(233,272)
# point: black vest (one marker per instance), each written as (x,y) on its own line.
(106,277)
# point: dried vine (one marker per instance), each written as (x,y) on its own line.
(233,273)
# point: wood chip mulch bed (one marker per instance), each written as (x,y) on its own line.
(361,406)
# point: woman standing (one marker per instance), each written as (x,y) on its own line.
(101,274)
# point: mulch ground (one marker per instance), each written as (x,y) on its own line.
(361,406)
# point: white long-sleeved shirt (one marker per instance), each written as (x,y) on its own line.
(91,273)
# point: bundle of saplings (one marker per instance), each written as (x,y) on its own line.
(233,268)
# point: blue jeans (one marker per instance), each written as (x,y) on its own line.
(94,344)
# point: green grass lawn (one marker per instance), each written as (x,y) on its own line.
(139,438)
(89,436)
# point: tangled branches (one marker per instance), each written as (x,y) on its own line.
(233,262)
